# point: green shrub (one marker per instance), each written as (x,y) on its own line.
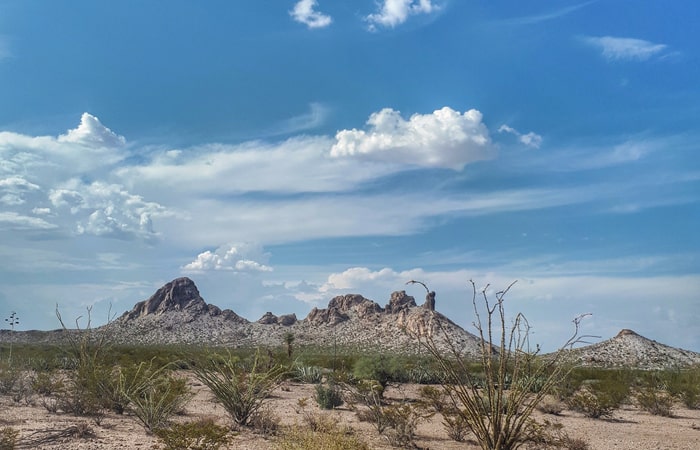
(241,390)
(655,401)
(328,396)
(157,399)
(308,374)
(592,403)
(202,434)
(455,425)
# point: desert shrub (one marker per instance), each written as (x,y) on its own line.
(552,407)
(435,398)
(375,367)
(308,374)
(9,376)
(328,396)
(402,420)
(157,398)
(8,438)
(264,421)
(551,435)
(46,383)
(328,437)
(83,393)
(455,424)
(685,385)
(497,401)
(241,390)
(366,398)
(593,403)
(202,434)
(656,401)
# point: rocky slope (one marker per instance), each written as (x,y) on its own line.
(176,313)
(629,349)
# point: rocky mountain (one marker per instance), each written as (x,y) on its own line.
(629,349)
(177,313)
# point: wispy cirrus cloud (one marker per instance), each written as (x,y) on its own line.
(546,16)
(530,139)
(304,12)
(624,48)
(395,12)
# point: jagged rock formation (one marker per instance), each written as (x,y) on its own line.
(180,295)
(629,349)
(177,314)
(270,319)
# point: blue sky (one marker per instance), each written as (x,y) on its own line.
(280,153)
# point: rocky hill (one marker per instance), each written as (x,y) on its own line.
(177,313)
(629,349)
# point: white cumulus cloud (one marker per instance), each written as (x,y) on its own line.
(231,257)
(91,132)
(625,49)
(395,12)
(530,139)
(109,210)
(446,138)
(305,13)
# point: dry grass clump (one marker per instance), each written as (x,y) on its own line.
(321,432)
(203,434)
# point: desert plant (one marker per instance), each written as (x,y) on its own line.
(328,396)
(288,343)
(157,398)
(366,398)
(593,403)
(455,425)
(655,400)
(8,438)
(308,374)
(9,377)
(328,436)
(402,420)
(82,393)
(12,320)
(240,390)
(203,434)
(264,421)
(496,406)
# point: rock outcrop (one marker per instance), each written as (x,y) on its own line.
(285,320)
(179,295)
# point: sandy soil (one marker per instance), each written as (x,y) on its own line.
(629,429)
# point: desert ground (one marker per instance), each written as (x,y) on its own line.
(628,429)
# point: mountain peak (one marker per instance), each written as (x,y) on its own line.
(627,332)
(181,294)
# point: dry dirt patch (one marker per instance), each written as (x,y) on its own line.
(630,428)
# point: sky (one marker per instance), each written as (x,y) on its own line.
(280,153)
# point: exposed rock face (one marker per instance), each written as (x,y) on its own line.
(429,301)
(270,319)
(341,308)
(398,302)
(178,295)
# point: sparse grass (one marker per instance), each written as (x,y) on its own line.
(203,434)
(325,436)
